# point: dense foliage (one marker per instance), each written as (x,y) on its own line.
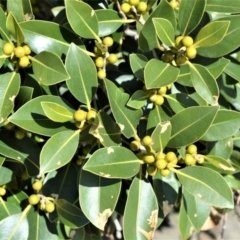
(117,109)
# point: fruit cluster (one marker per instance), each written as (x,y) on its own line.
(191,156)
(18,54)
(19,132)
(103,57)
(134,6)
(182,51)
(80,116)
(157,95)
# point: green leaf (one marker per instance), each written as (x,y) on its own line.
(207,185)
(165,31)
(159,74)
(5,175)
(184,224)
(218,67)
(48,68)
(232,69)
(58,150)
(138,99)
(82,19)
(70,215)
(83,75)
(14,29)
(226,123)
(106,162)
(64,182)
(223,47)
(32,118)
(190,124)
(9,88)
(56,112)
(98,197)
(126,118)
(190,14)
(180,101)
(40,227)
(48,36)
(166,190)
(204,83)
(140,226)
(11,228)
(211,34)
(3,30)
(22,9)
(109,21)
(223,6)
(219,162)
(197,211)
(138,63)
(161,136)
(7,209)
(25,94)
(25,151)
(106,130)
(147,37)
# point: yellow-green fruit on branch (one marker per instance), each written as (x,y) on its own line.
(99,62)
(108,41)
(112,58)
(80,115)
(26,49)
(23,61)
(159,100)
(134,145)
(91,115)
(191,52)
(2,191)
(147,141)
(170,156)
(181,60)
(133,2)
(148,158)
(33,199)
(192,149)
(125,7)
(49,207)
(187,41)
(101,74)
(19,52)
(189,160)
(161,163)
(162,90)
(8,48)
(165,172)
(37,185)
(152,170)
(142,7)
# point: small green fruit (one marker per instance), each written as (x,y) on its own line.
(152,170)
(135,145)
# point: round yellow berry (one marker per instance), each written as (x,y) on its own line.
(19,134)
(147,141)
(191,52)
(91,115)
(161,163)
(159,100)
(192,149)
(37,185)
(170,156)
(162,90)
(153,97)
(174,4)
(189,160)
(8,48)
(80,115)
(99,62)
(49,207)
(178,42)
(24,61)
(101,74)
(148,158)
(33,199)
(187,41)
(142,7)
(19,52)
(112,58)
(26,49)
(133,2)
(152,170)
(108,41)
(165,172)
(160,155)
(125,7)
(2,191)
(134,145)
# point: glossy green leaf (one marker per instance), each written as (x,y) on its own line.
(5,175)
(190,124)
(64,182)
(16,196)
(223,6)
(232,69)
(184,224)
(99,193)
(22,9)
(82,19)
(207,185)
(218,67)
(109,21)
(48,68)
(2,159)
(58,150)
(197,211)
(3,30)
(147,37)
(226,123)
(32,118)
(204,83)
(14,225)
(126,118)
(40,227)
(7,209)
(25,94)
(70,215)
(159,74)
(106,130)
(166,190)
(138,99)
(138,63)
(56,112)
(83,75)
(180,101)
(9,88)
(219,162)
(165,31)
(190,14)
(211,33)
(161,136)
(136,226)
(25,151)
(223,47)
(48,36)
(113,162)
